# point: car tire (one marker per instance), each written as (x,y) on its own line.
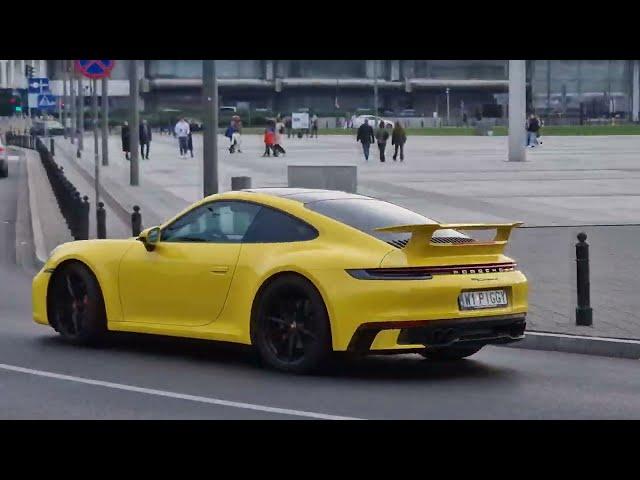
(450,353)
(290,326)
(76,308)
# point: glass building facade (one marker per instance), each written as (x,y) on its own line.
(556,88)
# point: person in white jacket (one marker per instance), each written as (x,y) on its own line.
(182,132)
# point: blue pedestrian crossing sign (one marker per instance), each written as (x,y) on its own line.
(47,101)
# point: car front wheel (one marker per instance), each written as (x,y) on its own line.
(76,309)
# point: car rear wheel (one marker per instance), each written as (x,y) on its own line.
(291,326)
(76,309)
(450,353)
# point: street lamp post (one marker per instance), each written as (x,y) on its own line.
(210,137)
(448,110)
(375,90)
(134,120)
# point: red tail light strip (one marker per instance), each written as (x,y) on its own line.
(425,273)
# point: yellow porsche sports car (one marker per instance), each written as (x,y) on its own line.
(298,274)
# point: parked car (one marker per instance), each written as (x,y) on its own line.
(373,121)
(53,127)
(4,161)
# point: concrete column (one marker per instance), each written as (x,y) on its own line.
(268,73)
(11,76)
(517,110)
(395,70)
(22,81)
(370,69)
(635,91)
(3,74)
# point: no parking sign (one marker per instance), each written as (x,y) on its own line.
(95,68)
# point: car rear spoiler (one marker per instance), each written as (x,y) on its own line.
(420,242)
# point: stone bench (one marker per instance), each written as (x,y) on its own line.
(330,177)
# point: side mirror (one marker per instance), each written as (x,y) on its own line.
(150,238)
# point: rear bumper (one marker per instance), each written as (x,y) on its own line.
(442,333)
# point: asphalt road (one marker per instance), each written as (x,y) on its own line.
(140,377)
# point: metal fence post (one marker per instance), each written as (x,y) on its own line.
(584,312)
(101,221)
(136,221)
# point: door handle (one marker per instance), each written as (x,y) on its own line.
(222,269)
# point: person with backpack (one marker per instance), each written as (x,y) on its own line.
(533,127)
(382,135)
(398,139)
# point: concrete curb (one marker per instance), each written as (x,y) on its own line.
(36,225)
(24,242)
(560,342)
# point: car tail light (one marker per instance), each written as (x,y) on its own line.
(425,273)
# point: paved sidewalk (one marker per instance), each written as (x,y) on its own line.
(569,181)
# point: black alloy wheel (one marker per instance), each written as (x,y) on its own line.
(291,327)
(76,309)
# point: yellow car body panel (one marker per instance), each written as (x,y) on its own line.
(168,291)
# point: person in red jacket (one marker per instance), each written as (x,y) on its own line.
(269,141)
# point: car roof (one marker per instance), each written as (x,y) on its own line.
(306,195)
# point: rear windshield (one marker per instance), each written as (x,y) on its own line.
(368,214)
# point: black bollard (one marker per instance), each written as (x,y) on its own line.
(52,148)
(136,221)
(101,221)
(84,220)
(584,313)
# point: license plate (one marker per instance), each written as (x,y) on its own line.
(482,299)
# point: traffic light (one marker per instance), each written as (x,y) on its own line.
(28,71)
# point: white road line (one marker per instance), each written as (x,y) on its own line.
(179,396)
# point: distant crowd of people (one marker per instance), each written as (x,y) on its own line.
(144,137)
(366,136)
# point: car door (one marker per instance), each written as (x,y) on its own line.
(185,279)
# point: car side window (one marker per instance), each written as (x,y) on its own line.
(214,222)
(273,226)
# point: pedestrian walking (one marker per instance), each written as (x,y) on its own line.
(269,140)
(382,135)
(229,134)
(398,139)
(124,135)
(278,137)
(365,137)
(237,134)
(182,131)
(287,124)
(145,139)
(539,134)
(190,142)
(314,125)
(533,126)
